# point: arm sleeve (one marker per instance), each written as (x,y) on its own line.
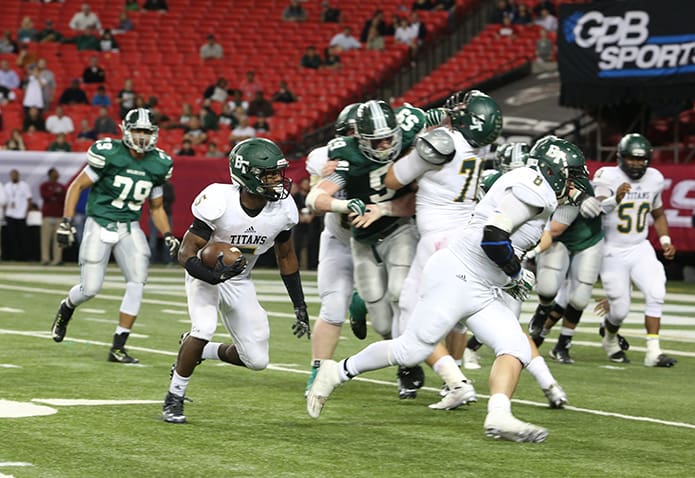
(410,167)
(566,214)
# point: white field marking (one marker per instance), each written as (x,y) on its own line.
(612,367)
(93,311)
(11,310)
(175,311)
(15,463)
(65,402)
(12,409)
(9,365)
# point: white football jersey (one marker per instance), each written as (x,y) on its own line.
(628,223)
(333,222)
(446,195)
(219,206)
(529,187)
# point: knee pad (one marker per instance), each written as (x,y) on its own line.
(654,299)
(619,308)
(572,315)
(254,360)
(92,279)
(133,298)
(334,306)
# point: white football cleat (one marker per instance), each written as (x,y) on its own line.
(556,395)
(504,425)
(461,394)
(470,359)
(327,379)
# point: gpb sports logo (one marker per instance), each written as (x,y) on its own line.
(625,46)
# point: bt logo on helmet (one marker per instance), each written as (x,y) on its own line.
(240,163)
(556,152)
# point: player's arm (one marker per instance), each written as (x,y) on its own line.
(321,200)
(83,181)
(161,222)
(289,271)
(195,239)
(661,227)
(403,206)
(432,149)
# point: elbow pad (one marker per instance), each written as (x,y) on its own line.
(498,247)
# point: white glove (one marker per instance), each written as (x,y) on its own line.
(522,285)
(590,207)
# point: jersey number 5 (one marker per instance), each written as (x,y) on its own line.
(140,190)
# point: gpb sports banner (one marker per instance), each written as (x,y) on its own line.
(610,52)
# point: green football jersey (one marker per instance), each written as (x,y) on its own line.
(412,121)
(124,182)
(583,232)
(364,179)
(489,179)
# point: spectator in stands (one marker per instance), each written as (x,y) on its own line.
(104,124)
(547,20)
(506,29)
(418,27)
(8,77)
(186,148)
(73,94)
(160,118)
(330,14)
(58,122)
(60,144)
(374,40)
(426,5)
(311,58)
(186,115)
(195,132)
(88,40)
(53,196)
(101,98)
(14,233)
(156,6)
(33,89)
(218,91)
(7,44)
(378,20)
(345,40)
(545,4)
(227,117)
(6,96)
(544,47)
(50,34)
(94,73)
(48,82)
(294,12)
(213,151)
(523,15)
(26,33)
(125,24)
(108,42)
(33,121)
(85,19)
(502,8)
(208,117)
(26,57)
(260,106)
(211,49)
(332,61)
(126,97)
(406,35)
(131,6)
(15,142)
(238,101)
(243,131)
(261,125)
(283,94)
(250,85)
(86,132)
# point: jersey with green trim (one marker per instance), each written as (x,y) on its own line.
(363,179)
(412,121)
(124,182)
(583,232)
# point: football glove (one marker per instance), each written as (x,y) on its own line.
(65,235)
(172,244)
(590,207)
(223,272)
(301,325)
(521,285)
(357,206)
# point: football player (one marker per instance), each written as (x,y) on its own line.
(628,256)
(122,174)
(253,214)
(476,268)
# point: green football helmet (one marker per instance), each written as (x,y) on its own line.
(558,161)
(375,126)
(345,123)
(476,116)
(511,156)
(634,146)
(139,131)
(252,160)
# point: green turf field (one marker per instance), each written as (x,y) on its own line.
(623,420)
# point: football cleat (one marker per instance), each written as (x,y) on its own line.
(504,425)
(557,398)
(121,356)
(613,349)
(536,324)
(470,359)
(172,410)
(327,379)
(409,380)
(662,360)
(358,316)
(461,395)
(622,341)
(561,355)
(444,390)
(619,357)
(61,321)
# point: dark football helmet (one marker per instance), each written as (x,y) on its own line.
(345,123)
(252,161)
(634,146)
(139,131)
(558,161)
(378,135)
(476,115)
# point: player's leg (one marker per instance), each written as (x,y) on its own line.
(615,278)
(552,269)
(369,275)
(93,258)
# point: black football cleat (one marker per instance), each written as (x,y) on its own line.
(172,410)
(61,321)
(409,380)
(121,356)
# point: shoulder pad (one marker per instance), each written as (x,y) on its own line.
(316,160)
(436,147)
(98,152)
(211,203)
(533,197)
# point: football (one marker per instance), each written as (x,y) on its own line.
(209,253)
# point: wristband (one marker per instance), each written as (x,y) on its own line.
(665,241)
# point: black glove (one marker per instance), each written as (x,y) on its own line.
(224,272)
(65,235)
(172,244)
(301,325)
